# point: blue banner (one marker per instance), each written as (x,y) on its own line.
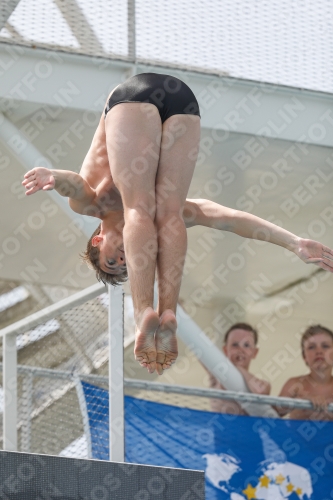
(244,457)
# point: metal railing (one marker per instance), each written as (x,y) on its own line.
(74,379)
(115,381)
(244,397)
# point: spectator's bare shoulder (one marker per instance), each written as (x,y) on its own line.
(294,387)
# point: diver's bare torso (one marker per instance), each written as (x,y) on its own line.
(96,171)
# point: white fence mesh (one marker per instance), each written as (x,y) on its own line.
(281,42)
(76,341)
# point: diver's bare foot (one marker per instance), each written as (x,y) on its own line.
(166,341)
(144,349)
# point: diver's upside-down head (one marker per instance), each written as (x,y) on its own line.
(92,258)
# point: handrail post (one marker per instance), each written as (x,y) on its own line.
(84,413)
(116,375)
(10,393)
(27,396)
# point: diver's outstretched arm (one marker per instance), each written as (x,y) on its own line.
(210,214)
(67,183)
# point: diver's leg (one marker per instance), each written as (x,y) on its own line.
(179,148)
(133,145)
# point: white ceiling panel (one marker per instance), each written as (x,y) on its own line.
(280,42)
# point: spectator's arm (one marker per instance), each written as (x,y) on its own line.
(289,390)
(255,384)
(213,382)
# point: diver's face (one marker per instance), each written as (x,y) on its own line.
(111,253)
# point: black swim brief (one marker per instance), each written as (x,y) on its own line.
(170,95)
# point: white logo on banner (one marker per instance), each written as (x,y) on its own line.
(277,481)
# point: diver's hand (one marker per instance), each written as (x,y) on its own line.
(37,179)
(313,252)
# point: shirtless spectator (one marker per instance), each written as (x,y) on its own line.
(240,346)
(316,386)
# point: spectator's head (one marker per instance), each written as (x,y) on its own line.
(317,347)
(240,344)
